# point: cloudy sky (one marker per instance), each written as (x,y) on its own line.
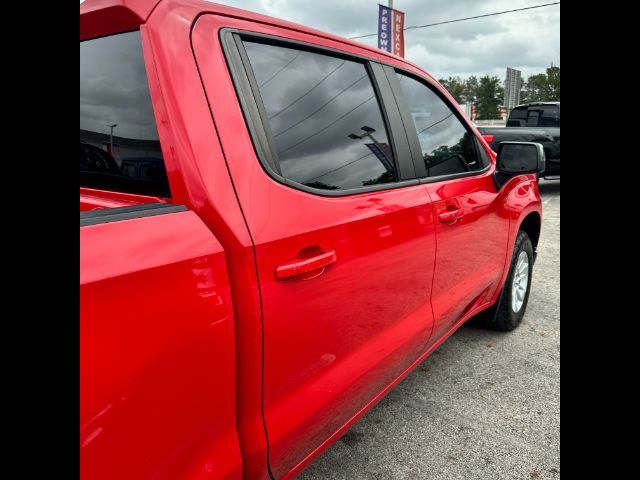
(527,40)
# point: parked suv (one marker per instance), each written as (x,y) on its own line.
(324,219)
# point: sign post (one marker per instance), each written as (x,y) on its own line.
(391,30)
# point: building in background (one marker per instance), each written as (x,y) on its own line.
(512,86)
(469,109)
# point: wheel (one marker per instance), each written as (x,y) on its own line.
(508,311)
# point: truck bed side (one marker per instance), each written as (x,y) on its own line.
(156,347)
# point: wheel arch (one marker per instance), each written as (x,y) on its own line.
(531,224)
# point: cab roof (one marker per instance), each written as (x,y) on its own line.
(105,17)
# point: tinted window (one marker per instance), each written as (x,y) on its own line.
(447,146)
(518,113)
(117,126)
(517,117)
(533,118)
(550,116)
(324,117)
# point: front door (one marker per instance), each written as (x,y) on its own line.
(471,231)
(472,241)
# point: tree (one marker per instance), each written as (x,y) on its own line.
(532,89)
(489,98)
(455,86)
(385,177)
(471,88)
(553,80)
(543,87)
(321,185)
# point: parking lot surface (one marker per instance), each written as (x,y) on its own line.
(485,405)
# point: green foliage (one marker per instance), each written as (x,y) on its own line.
(455,86)
(490,97)
(385,177)
(321,185)
(553,79)
(471,86)
(445,153)
(487,93)
(543,87)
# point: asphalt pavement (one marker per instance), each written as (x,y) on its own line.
(485,405)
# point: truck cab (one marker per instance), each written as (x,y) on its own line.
(539,114)
(537,122)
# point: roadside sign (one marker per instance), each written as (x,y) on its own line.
(391,30)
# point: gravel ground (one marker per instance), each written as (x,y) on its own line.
(485,405)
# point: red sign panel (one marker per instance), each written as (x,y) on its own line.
(398,33)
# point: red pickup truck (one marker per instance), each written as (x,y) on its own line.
(276,226)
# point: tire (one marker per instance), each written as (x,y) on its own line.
(507,313)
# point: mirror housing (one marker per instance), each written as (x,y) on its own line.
(518,158)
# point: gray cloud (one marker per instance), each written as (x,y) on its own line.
(527,40)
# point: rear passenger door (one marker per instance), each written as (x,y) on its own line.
(471,232)
(343,232)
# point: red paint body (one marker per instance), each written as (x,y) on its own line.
(157,356)
(247,334)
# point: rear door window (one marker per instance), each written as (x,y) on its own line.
(116,118)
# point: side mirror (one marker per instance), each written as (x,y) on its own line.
(516,158)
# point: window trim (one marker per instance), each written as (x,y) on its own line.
(118,214)
(412,133)
(392,116)
(259,128)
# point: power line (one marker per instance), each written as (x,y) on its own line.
(463,19)
(434,124)
(308,91)
(279,71)
(321,107)
(323,129)
(341,166)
